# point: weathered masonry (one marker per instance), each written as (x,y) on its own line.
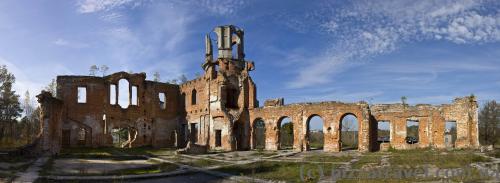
(219,111)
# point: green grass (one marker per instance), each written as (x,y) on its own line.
(327,158)
(473,176)
(201,163)
(366,159)
(441,159)
(163,167)
(282,171)
(317,145)
(149,151)
(495,153)
(7,176)
(158,168)
(85,151)
(264,153)
(113,151)
(47,167)
(14,159)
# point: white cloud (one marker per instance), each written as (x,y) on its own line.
(364,28)
(113,17)
(91,6)
(213,7)
(222,7)
(60,42)
(337,94)
(66,43)
(23,81)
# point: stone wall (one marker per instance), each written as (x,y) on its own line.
(151,123)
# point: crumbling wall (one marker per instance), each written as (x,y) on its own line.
(300,114)
(431,121)
(50,116)
(150,123)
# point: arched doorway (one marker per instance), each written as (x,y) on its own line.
(285,134)
(123,136)
(349,132)
(315,135)
(259,134)
(239,136)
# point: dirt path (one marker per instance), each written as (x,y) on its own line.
(32,173)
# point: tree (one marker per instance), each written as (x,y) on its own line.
(286,134)
(403,100)
(93,69)
(183,79)
(104,69)
(173,81)
(489,117)
(52,87)
(156,76)
(27,104)
(9,101)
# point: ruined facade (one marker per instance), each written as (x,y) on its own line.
(219,110)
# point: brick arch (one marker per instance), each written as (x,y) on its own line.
(278,125)
(339,128)
(253,132)
(312,116)
(281,118)
(307,130)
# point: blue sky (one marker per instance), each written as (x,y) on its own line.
(376,51)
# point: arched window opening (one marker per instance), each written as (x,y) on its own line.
(112,94)
(232,98)
(349,132)
(193,97)
(163,100)
(285,133)
(315,132)
(259,134)
(135,100)
(183,100)
(123,93)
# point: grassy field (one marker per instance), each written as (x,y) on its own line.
(291,171)
(112,151)
(157,168)
(195,162)
(10,173)
(282,171)
(441,159)
(327,158)
(366,159)
(473,176)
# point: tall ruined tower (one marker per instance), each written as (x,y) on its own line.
(227,93)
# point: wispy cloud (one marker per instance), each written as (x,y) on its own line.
(66,43)
(213,7)
(364,28)
(24,82)
(335,95)
(92,6)
(223,7)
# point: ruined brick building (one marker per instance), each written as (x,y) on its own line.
(219,111)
